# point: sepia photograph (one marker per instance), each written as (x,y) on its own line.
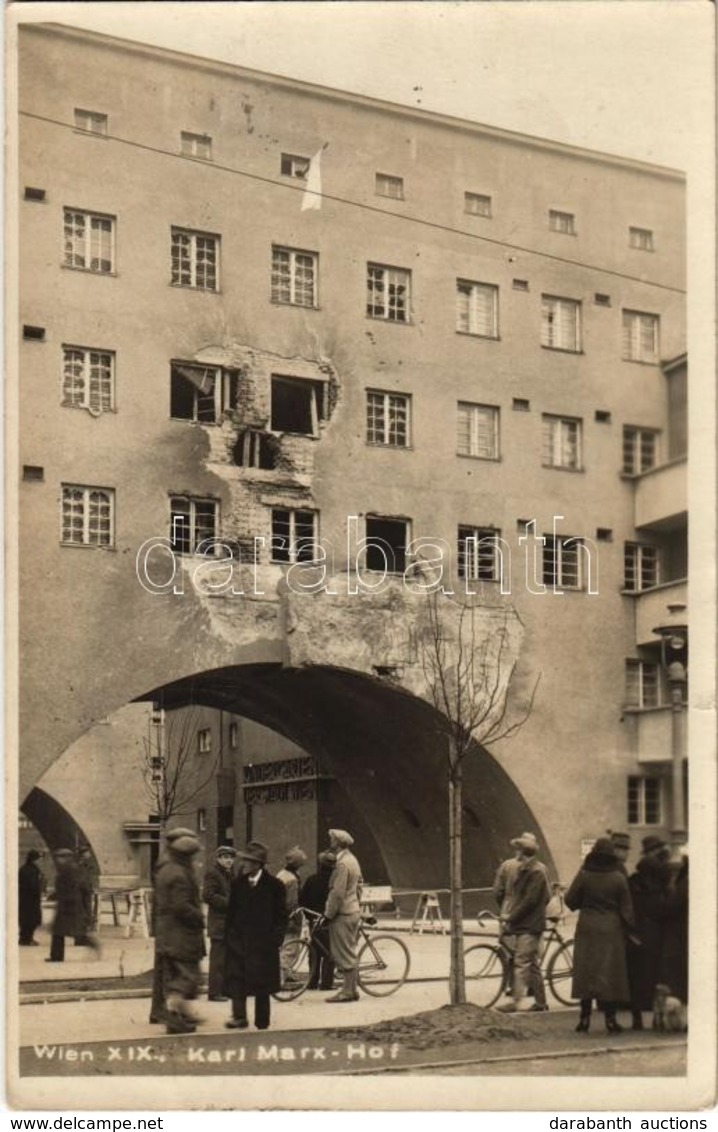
(360,380)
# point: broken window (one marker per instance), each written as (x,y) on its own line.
(196,145)
(386,544)
(479,553)
(87,515)
(293,166)
(294,277)
(193,525)
(89,241)
(195,260)
(294,535)
(297,405)
(88,379)
(255,449)
(388,292)
(201,393)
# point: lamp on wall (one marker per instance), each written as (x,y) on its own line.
(674,660)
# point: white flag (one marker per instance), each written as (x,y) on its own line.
(312,196)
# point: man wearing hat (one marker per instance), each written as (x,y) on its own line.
(215,893)
(158,1006)
(621,847)
(29,889)
(289,876)
(342,910)
(69,910)
(313,895)
(179,928)
(526,922)
(254,931)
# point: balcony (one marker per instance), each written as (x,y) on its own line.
(651,729)
(651,608)
(662,495)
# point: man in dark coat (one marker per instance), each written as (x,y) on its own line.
(648,885)
(179,926)
(255,927)
(29,887)
(313,895)
(69,911)
(674,953)
(87,875)
(215,893)
(158,1011)
(526,922)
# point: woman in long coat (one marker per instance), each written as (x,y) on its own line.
(673,969)
(69,914)
(648,885)
(29,885)
(254,931)
(601,895)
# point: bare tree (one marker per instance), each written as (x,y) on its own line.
(174,778)
(468,650)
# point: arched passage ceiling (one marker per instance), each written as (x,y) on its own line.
(386,748)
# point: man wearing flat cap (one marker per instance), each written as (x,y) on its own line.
(621,847)
(254,931)
(179,928)
(158,1008)
(293,860)
(343,913)
(215,893)
(525,921)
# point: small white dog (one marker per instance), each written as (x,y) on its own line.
(669,1013)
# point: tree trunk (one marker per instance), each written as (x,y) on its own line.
(457,981)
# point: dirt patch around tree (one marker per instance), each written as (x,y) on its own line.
(446,1026)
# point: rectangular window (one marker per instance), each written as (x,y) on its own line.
(90,122)
(293,166)
(87,515)
(560,323)
(234,735)
(477,431)
(89,241)
(644,800)
(477,307)
(196,145)
(294,277)
(564,222)
(88,379)
(201,393)
(478,556)
(388,293)
(640,336)
(563,562)
(641,567)
(201,821)
(195,259)
(561,442)
(204,741)
(641,238)
(298,405)
(640,449)
(643,684)
(477,204)
(294,535)
(388,186)
(388,419)
(386,542)
(193,525)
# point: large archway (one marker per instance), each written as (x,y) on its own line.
(57,827)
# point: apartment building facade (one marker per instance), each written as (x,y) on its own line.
(277,317)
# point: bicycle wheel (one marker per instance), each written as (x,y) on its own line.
(383,964)
(296,970)
(485,969)
(560,973)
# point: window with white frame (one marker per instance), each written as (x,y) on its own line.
(644,799)
(643,684)
(641,238)
(196,145)
(294,535)
(388,186)
(204,741)
(293,166)
(563,565)
(641,566)
(91,122)
(298,405)
(294,277)
(477,431)
(195,259)
(640,336)
(386,541)
(234,735)
(193,525)
(564,222)
(88,379)
(89,241)
(388,419)
(477,308)
(561,442)
(477,204)
(478,553)
(560,323)
(388,292)
(640,449)
(88,515)
(201,393)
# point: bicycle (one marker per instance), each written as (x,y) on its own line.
(383,961)
(488,966)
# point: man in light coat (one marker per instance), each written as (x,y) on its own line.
(526,922)
(343,913)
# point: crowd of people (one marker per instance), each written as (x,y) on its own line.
(75,900)
(632,933)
